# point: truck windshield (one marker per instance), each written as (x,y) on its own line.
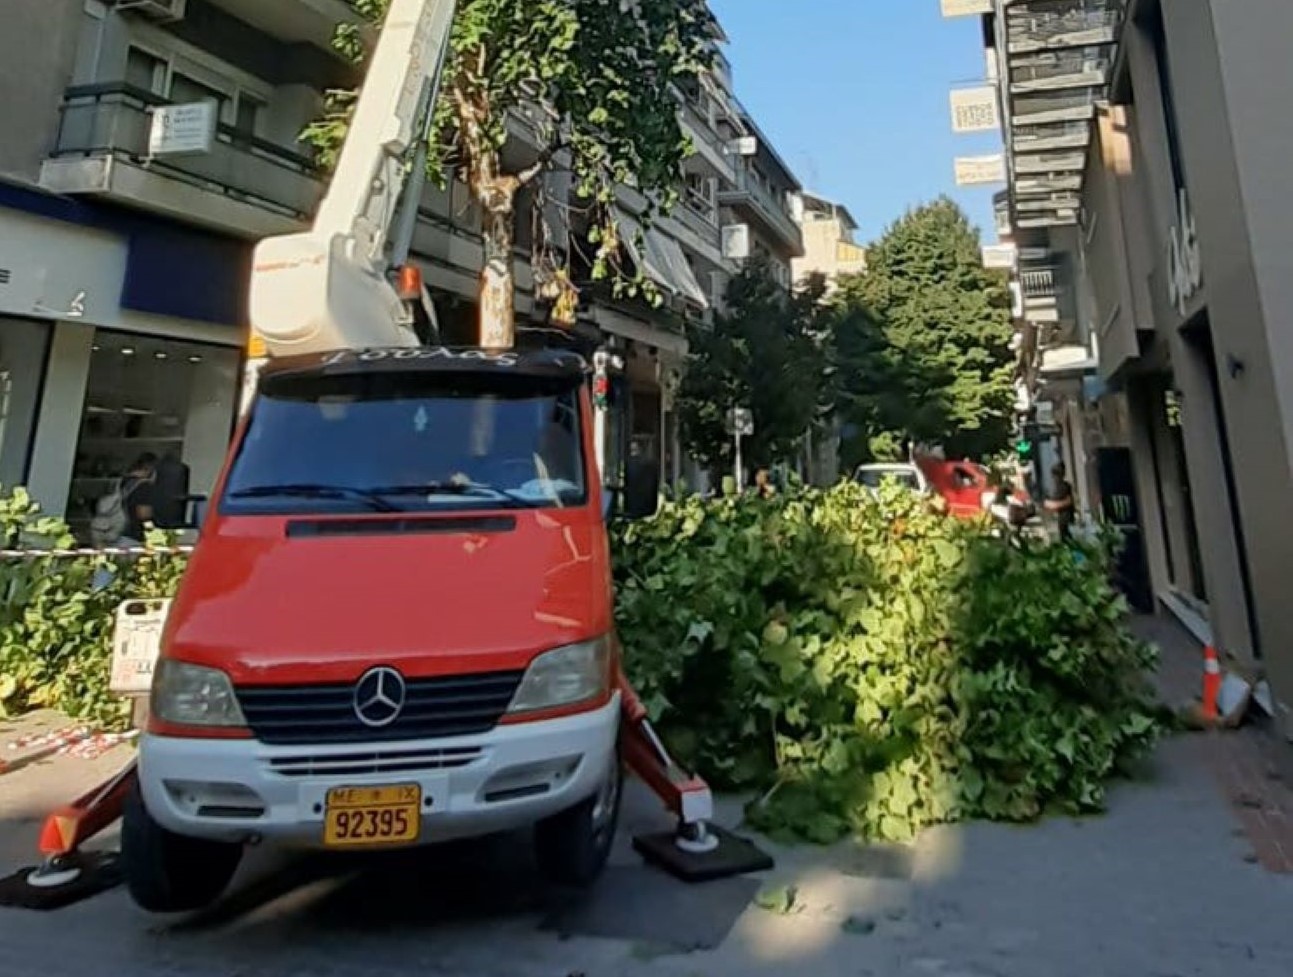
(408,443)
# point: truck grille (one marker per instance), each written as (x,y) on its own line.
(462,705)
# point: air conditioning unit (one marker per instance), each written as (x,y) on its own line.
(162,11)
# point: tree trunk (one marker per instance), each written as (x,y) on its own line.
(497,276)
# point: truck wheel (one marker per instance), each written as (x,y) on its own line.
(572,847)
(170,873)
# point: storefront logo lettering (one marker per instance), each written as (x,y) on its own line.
(1185,262)
(422,354)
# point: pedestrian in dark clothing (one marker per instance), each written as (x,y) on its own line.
(171,489)
(139,497)
(1060,502)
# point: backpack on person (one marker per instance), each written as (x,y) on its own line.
(110,519)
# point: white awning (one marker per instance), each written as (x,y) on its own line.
(661,259)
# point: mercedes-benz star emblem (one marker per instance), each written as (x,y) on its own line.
(379,697)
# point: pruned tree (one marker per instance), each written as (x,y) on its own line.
(595,80)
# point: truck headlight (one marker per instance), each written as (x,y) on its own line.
(565,677)
(194,695)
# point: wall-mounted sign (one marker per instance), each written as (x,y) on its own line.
(966,8)
(973,171)
(1184,260)
(180,130)
(975,109)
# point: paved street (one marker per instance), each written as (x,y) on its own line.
(1168,885)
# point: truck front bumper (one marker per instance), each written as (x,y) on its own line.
(513,776)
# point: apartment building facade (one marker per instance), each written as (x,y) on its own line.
(125,242)
(1177,243)
(830,245)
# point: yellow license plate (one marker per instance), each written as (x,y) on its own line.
(356,817)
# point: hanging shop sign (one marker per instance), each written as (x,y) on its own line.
(974,171)
(966,8)
(975,110)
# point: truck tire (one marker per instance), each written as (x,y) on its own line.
(571,847)
(170,873)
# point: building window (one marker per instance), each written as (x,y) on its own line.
(149,395)
(145,71)
(1157,32)
(24,347)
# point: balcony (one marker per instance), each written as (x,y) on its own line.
(758,203)
(244,186)
(310,22)
(710,156)
(1059,55)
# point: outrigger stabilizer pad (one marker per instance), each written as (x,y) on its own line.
(721,855)
(62,882)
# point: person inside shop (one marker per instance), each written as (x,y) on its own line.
(139,497)
(1060,502)
(170,492)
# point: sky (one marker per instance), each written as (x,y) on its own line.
(854,96)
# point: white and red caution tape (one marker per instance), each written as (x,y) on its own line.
(55,738)
(97,745)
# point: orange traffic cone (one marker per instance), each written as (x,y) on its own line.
(1211,682)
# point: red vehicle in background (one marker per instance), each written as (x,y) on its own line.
(965,486)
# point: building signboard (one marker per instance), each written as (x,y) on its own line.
(1000,255)
(972,171)
(1185,262)
(181,130)
(975,110)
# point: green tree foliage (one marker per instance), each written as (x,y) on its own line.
(922,340)
(57,615)
(593,81)
(870,665)
(765,352)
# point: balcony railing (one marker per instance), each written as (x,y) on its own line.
(1042,25)
(114,119)
(772,210)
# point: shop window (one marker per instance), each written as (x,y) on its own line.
(151,396)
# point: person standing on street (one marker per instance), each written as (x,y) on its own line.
(1060,502)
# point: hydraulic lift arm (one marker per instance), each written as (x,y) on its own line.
(331,286)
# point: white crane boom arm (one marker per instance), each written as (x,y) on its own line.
(328,288)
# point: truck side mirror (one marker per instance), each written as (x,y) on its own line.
(641,488)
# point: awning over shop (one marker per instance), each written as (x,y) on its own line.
(661,259)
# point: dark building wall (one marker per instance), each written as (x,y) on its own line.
(37,56)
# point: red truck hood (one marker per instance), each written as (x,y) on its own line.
(483,594)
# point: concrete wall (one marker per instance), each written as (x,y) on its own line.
(1252,295)
(37,52)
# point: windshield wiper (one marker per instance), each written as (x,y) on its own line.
(372,499)
(459,488)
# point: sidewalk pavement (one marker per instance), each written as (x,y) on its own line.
(1253,765)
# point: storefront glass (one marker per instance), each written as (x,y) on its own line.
(24,345)
(151,396)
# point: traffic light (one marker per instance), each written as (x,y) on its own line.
(601,391)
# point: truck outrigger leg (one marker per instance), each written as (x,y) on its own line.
(697,851)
